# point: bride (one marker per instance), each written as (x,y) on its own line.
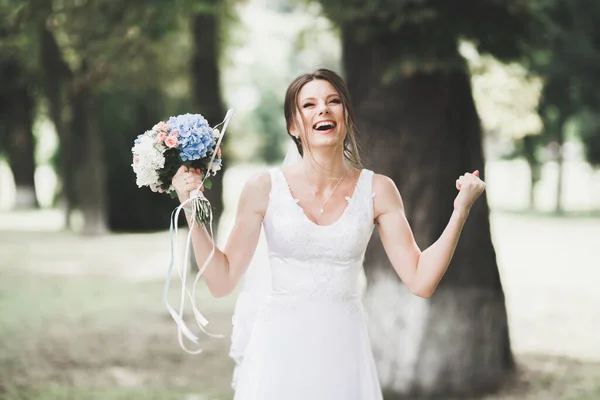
(308,339)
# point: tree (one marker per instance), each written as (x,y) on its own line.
(507,97)
(79,59)
(589,130)
(17,105)
(92,51)
(414,105)
(567,57)
(18,86)
(205,77)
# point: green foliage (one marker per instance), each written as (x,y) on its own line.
(271,125)
(16,33)
(430,29)
(106,41)
(589,131)
(120,41)
(570,56)
(132,57)
(568,59)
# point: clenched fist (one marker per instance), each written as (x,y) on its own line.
(185,181)
(470,187)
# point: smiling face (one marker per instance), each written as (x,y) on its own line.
(320,115)
(318,112)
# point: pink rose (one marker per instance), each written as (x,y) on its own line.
(171,142)
(136,159)
(161,137)
(174,134)
(161,127)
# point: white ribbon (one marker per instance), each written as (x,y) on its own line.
(196,199)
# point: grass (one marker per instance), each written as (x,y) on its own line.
(93,337)
(83,318)
(69,393)
(568,214)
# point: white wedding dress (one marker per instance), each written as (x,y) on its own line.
(309,340)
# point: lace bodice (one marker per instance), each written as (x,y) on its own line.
(310,259)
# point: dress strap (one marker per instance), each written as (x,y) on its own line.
(275,180)
(365,194)
(365,184)
(277,192)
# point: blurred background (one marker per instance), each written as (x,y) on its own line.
(439,88)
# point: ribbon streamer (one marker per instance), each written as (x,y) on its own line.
(196,199)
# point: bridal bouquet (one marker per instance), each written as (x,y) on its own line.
(157,155)
(183,140)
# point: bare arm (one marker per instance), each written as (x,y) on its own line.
(228,266)
(421,271)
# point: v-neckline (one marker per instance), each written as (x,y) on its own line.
(350,200)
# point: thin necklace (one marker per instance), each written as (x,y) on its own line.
(314,191)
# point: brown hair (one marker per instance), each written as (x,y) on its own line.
(351,146)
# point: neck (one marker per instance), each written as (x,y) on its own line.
(324,166)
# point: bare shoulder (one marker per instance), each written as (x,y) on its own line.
(255,195)
(383,184)
(387,196)
(259,181)
(385,188)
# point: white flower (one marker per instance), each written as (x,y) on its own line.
(216,133)
(149,161)
(216,166)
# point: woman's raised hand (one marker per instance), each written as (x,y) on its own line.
(185,181)
(470,187)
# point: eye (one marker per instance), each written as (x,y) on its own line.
(306,105)
(336,101)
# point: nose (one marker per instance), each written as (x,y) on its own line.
(323,109)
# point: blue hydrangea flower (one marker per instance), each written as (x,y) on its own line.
(138,139)
(195,136)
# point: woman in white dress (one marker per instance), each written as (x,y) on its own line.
(309,338)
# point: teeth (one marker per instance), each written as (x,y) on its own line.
(324,123)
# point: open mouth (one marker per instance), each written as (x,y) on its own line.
(324,126)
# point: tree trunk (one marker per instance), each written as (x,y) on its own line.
(123,113)
(529,149)
(558,208)
(21,150)
(423,131)
(557,149)
(206,89)
(18,107)
(532,182)
(56,75)
(92,180)
(67,161)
